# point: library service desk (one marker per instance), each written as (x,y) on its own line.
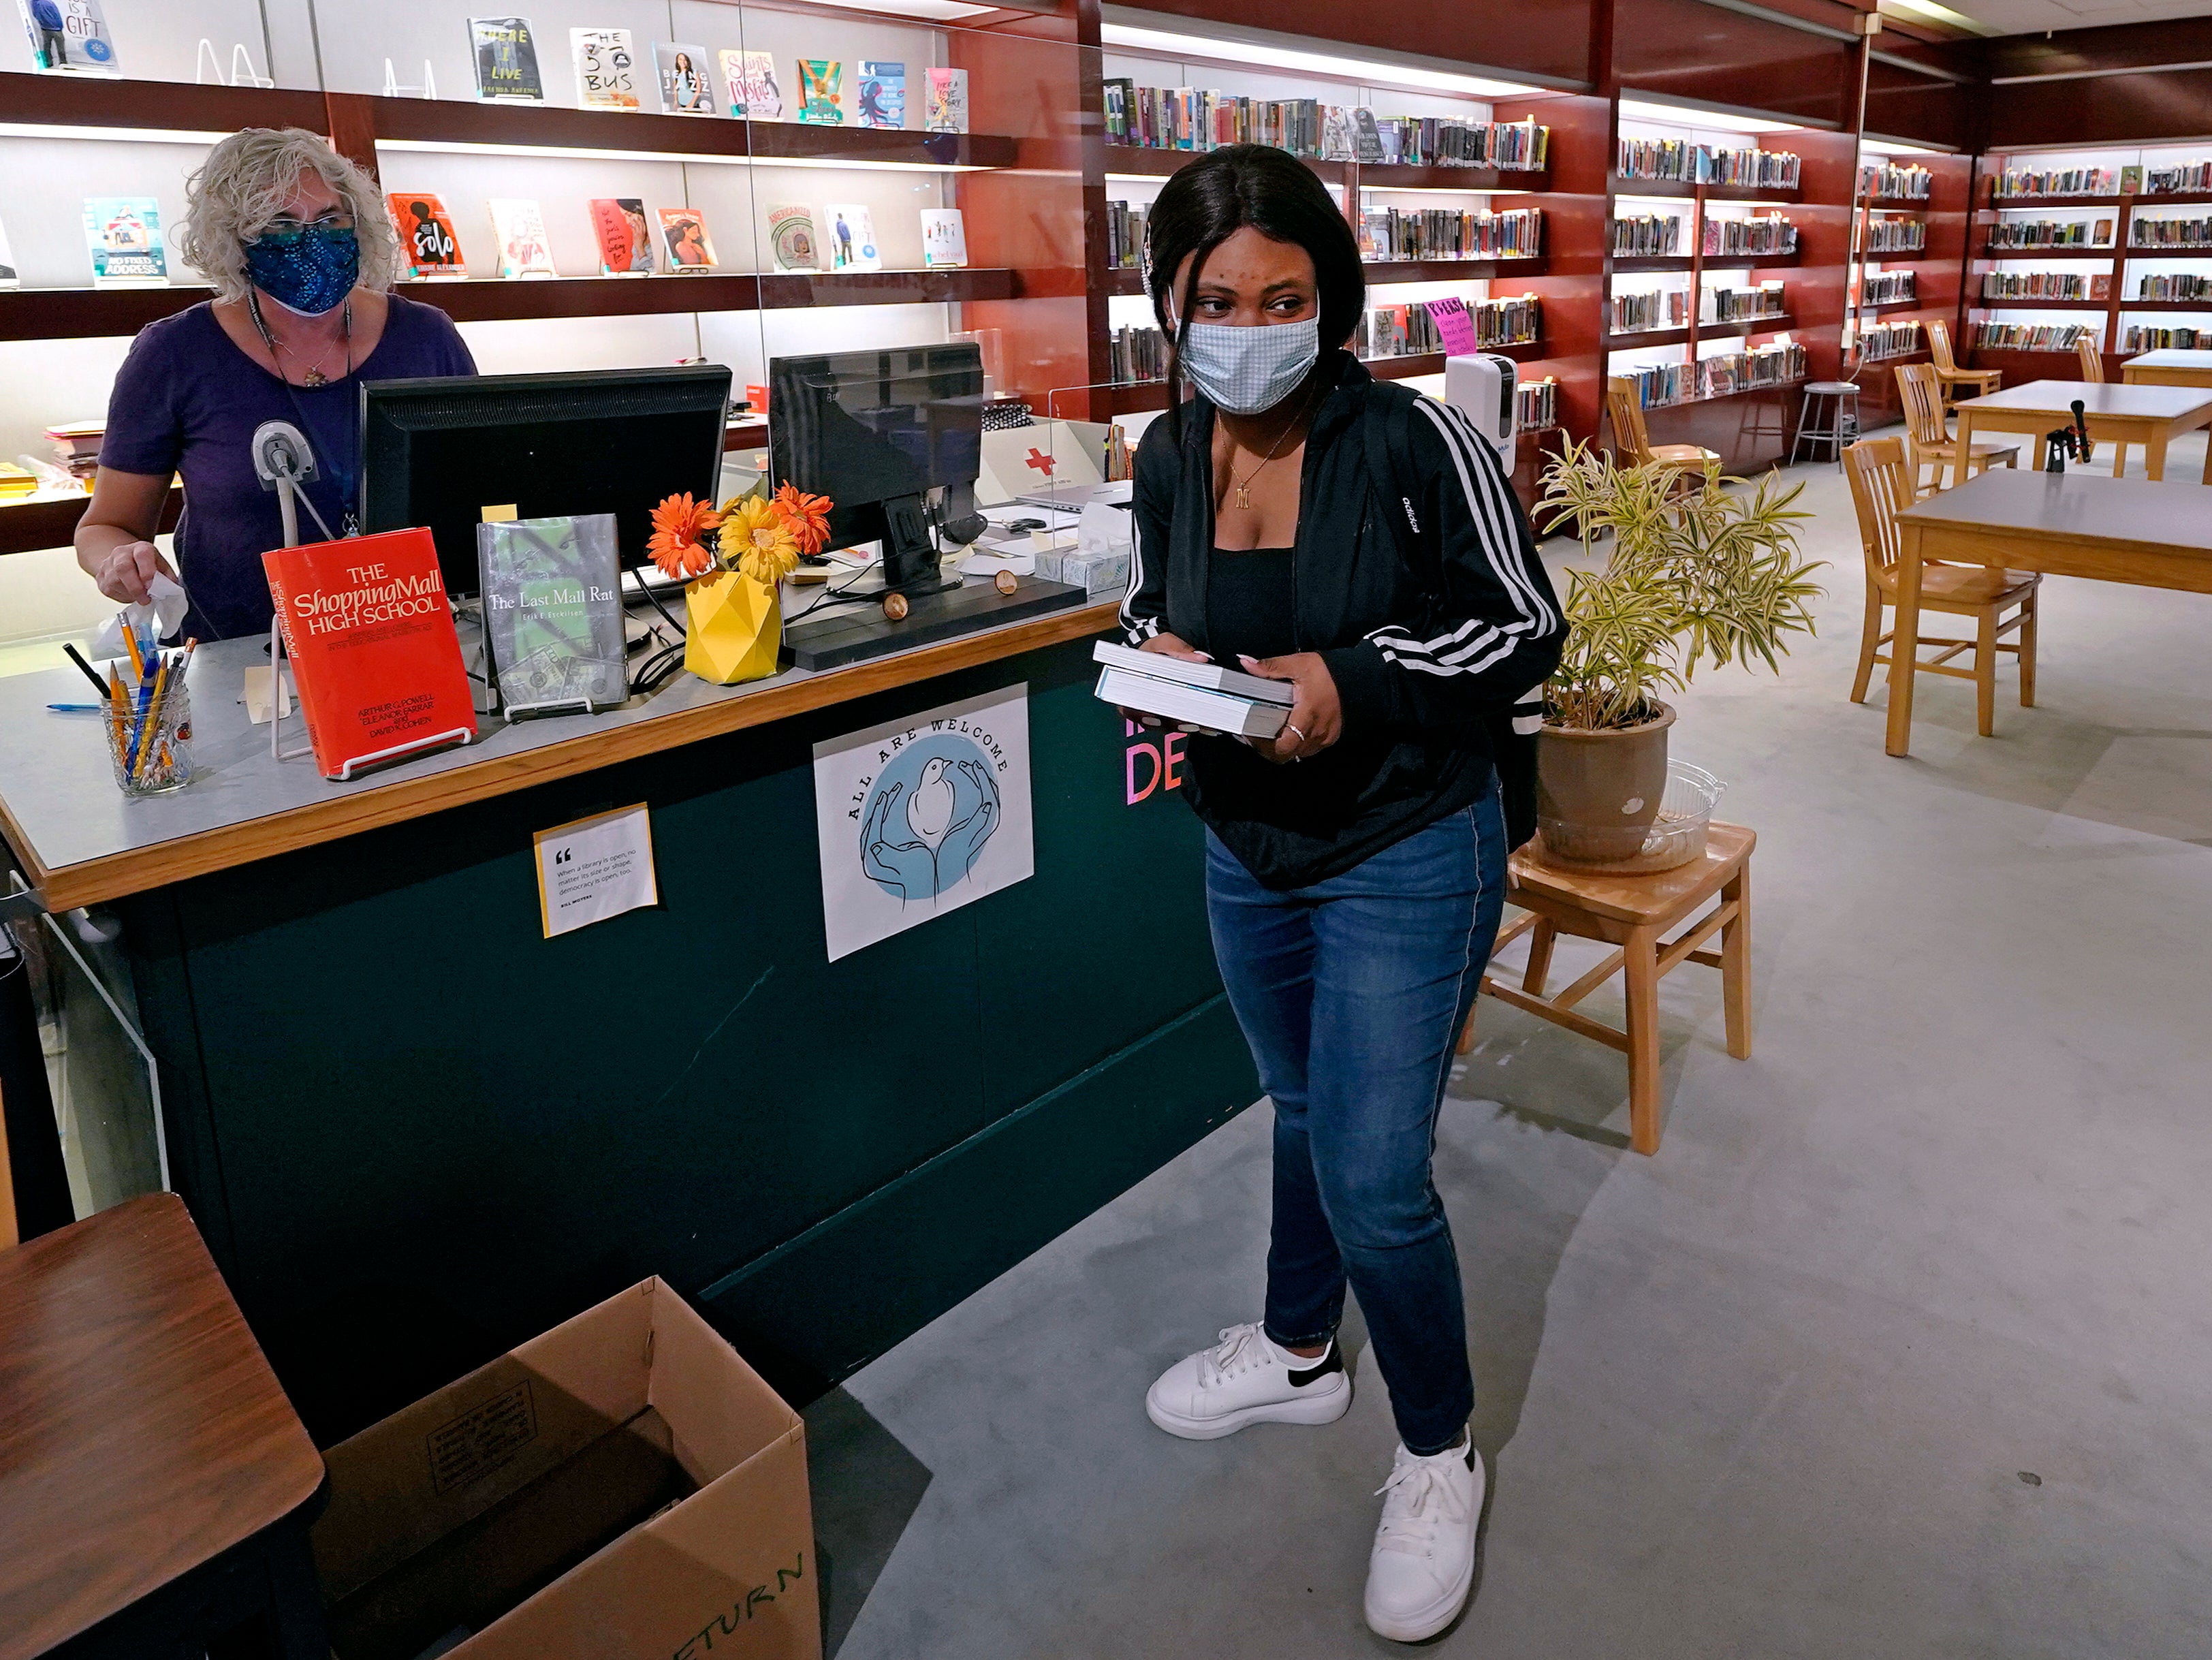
(415,1131)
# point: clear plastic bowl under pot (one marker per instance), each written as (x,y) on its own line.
(1676,837)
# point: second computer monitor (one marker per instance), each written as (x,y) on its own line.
(876,432)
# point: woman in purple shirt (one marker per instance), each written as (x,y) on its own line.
(294,240)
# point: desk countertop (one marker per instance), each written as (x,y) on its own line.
(2074,506)
(2170,358)
(2057,398)
(81,842)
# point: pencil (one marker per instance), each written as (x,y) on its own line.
(115,712)
(130,645)
(149,725)
(77,658)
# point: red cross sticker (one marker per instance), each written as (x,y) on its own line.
(1039,461)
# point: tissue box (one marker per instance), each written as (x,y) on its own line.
(1100,573)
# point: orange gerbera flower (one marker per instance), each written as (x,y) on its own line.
(756,540)
(807,516)
(678,542)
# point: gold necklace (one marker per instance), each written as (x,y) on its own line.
(1243,492)
(314,376)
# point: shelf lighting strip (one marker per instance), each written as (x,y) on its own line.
(1247,53)
(846,164)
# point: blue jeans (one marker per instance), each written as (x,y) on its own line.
(1351,993)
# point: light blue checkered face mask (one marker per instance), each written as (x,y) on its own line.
(1246,369)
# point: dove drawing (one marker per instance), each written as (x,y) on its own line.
(929,808)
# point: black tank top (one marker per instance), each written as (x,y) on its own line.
(1248,604)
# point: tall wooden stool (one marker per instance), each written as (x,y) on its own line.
(1634,913)
(155,1487)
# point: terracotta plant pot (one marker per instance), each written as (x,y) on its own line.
(1598,792)
(733,627)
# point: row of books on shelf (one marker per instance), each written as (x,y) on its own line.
(684,78)
(2032,336)
(1635,313)
(1886,182)
(1887,287)
(1894,236)
(1647,236)
(1660,384)
(2178,286)
(1411,330)
(2145,336)
(1761,233)
(2051,234)
(1677,161)
(1201,118)
(2135,179)
(1450,234)
(1125,234)
(1731,305)
(1878,340)
(1536,404)
(2194,232)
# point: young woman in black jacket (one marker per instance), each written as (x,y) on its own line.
(1303,521)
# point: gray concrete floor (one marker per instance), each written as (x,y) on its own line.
(1898,1348)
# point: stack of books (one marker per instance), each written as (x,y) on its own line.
(2065,181)
(1895,236)
(1648,236)
(2141,337)
(2034,285)
(2191,176)
(1536,404)
(2046,234)
(1760,235)
(1192,694)
(1884,181)
(2192,232)
(76,446)
(1883,287)
(1878,340)
(1727,305)
(1450,234)
(1125,234)
(2031,337)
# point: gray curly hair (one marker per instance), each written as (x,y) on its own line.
(242,187)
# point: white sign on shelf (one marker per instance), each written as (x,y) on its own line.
(595,868)
(922,816)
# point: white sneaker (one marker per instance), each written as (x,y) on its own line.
(1245,1379)
(1422,1567)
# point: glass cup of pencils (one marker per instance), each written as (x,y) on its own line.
(150,725)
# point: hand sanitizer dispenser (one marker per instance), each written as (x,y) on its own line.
(1481,385)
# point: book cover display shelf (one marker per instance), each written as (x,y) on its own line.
(2112,240)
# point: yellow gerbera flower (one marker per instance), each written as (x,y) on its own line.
(756,540)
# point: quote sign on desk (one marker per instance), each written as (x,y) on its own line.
(594,868)
(920,816)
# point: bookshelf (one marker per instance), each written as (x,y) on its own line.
(1899,183)
(2117,195)
(1017,175)
(1742,406)
(1132,172)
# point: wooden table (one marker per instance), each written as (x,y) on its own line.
(2074,524)
(2169,367)
(154,1482)
(2149,415)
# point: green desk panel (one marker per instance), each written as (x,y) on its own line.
(417,1132)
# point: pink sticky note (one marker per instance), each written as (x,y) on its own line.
(1453,323)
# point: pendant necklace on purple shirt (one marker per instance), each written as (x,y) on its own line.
(313,378)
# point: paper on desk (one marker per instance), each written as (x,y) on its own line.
(256,694)
(985,559)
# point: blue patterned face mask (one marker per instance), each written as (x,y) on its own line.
(309,270)
(1245,369)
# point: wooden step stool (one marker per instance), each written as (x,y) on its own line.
(1633,913)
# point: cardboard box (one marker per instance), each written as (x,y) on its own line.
(623,1488)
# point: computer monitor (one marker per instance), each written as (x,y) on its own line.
(877,432)
(437,452)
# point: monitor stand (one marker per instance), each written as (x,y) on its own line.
(938,608)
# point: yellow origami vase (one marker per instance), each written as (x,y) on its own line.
(733,628)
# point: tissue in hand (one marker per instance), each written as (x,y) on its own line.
(156,619)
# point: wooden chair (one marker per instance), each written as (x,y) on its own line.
(1633,913)
(1929,441)
(1947,371)
(1630,435)
(2093,371)
(1882,484)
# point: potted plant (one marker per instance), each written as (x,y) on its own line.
(732,559)
(1697,572)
